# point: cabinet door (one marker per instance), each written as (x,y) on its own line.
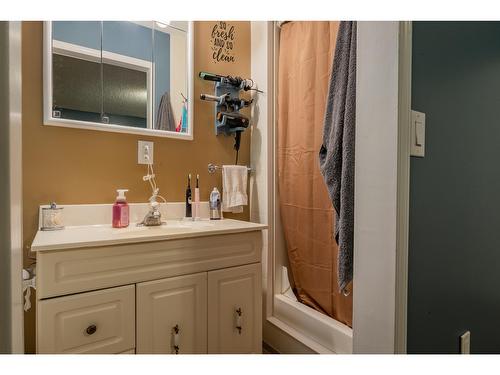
(172,315)
(100,322)
(234,310)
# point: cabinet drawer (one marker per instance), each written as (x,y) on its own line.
(96,322)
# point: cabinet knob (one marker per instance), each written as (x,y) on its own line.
(239,325)
(175,332)
(91,329)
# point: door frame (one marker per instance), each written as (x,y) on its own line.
(403,185)
(382,187)
(12,326)
(16,185)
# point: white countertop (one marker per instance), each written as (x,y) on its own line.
(79,236)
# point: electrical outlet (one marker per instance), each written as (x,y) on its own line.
(145,152)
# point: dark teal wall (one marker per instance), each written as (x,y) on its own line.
(454,252)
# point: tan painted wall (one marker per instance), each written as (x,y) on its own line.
(84,166)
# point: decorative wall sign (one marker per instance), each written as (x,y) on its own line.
(222,42)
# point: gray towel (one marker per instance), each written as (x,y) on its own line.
(336,157)
(165,115)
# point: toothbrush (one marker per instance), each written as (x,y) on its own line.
(188,197)
(197,199)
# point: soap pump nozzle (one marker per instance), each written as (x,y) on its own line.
(121,195)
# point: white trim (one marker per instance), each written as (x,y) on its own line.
(403,208)
(261,203)
(16,202)
(47,76)
(375,195)
(112,58)
(190,94)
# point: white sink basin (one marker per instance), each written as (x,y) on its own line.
(167,225)
(170,226)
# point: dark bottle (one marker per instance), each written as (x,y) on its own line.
(188,198)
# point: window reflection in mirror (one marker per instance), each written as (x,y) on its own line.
(132,74)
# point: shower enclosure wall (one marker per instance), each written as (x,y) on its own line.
(290,326)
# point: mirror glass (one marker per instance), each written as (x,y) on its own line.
(170,88)
(76,63)
(119,75)
(127,56)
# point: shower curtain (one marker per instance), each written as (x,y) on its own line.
(305,59)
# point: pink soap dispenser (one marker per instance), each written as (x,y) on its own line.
(121,210)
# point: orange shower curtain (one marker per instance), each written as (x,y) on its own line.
(305,59)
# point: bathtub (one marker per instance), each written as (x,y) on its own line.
(313,329)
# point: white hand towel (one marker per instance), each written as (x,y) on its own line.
(234,188)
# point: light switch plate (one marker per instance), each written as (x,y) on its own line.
(417,134)
(144,150)
(465,343)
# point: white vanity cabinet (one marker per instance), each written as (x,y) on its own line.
(192,295)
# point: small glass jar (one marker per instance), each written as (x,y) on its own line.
(52,217)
